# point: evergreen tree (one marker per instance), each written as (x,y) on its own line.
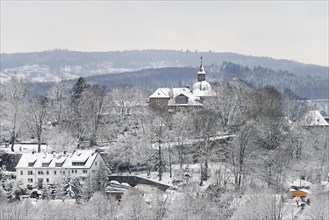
(100,179)
(78,89)
(76,106)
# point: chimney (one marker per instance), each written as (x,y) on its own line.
(171,93)
(65,152)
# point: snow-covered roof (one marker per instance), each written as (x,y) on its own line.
(313,118)
(201,70)
(47,159)
(172,93)
(202,89)
(161,93)
(87,157)
(79,157)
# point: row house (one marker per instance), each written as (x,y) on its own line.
(52,168)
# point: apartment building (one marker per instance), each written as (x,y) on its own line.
(52,168)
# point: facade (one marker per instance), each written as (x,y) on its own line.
(173,98)
(52,168)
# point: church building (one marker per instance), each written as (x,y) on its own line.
(174,98)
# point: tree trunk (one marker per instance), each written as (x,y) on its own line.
(205,176)
(201,168)
(160,162)
(39,144)
(129,169)
(12,141)
(170,171)
(201,174)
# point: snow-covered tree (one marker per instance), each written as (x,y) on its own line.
(205,126)
(38,111)
(72,188)
(127,98)
(13,106)
(95,103)
(76,118)
(133,206)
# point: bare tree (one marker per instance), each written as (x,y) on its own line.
(228,102)
(95,103)
(38,111)
(127,97)
(240,152)
(13,106)
(181,132)
(160,127)
(58,104)
(205,125)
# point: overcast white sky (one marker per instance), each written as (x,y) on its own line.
(285,30)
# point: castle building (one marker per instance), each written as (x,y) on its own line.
(174,98)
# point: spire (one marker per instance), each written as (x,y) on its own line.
(201,73)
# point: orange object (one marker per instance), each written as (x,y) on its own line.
(299,192)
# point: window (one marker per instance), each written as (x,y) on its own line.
(84,171)
(47,172)
(78,163)
(47,180)
(40,172)
(30,172)
(30,180)
(45,165)
(31,164)
(181,99)
(63,172)
(157,101)
(96,163)
(93,171)
(58,164)
(55,172)
(21,172)
(83,178)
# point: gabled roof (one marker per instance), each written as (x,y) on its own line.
(313,118)
(161,93)
(65,159)
(172,93)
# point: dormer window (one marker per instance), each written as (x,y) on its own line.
(181,99)
(58,164)
(45,165)
(32,162)
(78,163)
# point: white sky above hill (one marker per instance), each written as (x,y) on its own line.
(295,30)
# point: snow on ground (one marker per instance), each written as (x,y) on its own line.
(292,211)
